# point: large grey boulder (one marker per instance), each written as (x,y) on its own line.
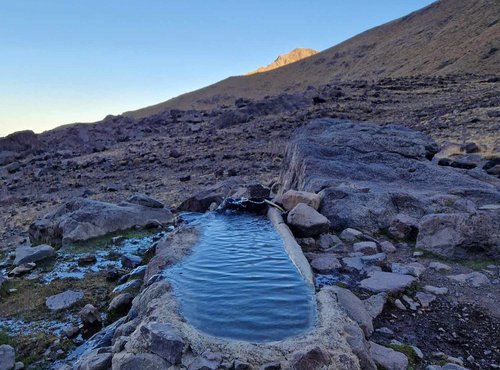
(63,300)
(82,219)
(387,358)
(307,221)
(389,282)
(354,308)
(457,235)
(367,174)
(7,357)
(325,263)
(26,254)
(95,361)
(164,340)
(359,346)
(135,361)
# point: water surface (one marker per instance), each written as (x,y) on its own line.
(239,282)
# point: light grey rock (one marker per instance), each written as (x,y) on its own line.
(131,284)
(328,241)
(425,299)
(7,357)
(359,346)
(325,263)
(63,300)
(82,219)
(26,254)
(399,304)
(439,266)
(387,358)
(144,200)
(385,331)
(291,198)
(351,235)
(387,247)
(474,279)
(164,340)
(353,263)
(418,352)
(436,290)
(374,258)
(95,361)
(309,359)
(410,302)
(364,247)
(404,227)
(381,281)
(413,268)
(208,360)
(375,304)
(354,308)
(89,315)
(458,235)
(143,361)
(307,221)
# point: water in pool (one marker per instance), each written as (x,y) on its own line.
(239,282)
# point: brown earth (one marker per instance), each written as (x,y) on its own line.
(294,56)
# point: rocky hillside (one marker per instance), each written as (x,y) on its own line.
(294,56)
(447,37)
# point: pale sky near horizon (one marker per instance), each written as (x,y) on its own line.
(77,61)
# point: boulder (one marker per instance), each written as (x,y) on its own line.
(413,268)
(367,174)
(325,263)
(354,308)
(200,202)
(387,358)
(121,304)
(375,304)
(474,279)
(208,360)
(95,361)
(144,200)
(365,247)
(135,361)
(130,260)
(7,357)
(404,227)
(89,315)
(164,340)
(389,282)
(307,221)
(359,346)
(250,191)
(327,241)
(425,299)
(436,290)
(82,219)
(458,235)
(63,300)
(26,254)
(292,197)
(350,235)
(312,359)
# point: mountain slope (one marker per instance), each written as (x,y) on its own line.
(446,37)
(294,56)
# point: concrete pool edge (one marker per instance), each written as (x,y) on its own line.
(292,248)
(158,304)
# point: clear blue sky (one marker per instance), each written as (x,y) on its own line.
(64,61)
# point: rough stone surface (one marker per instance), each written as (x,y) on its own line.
(436,290)
(387,358)
(292,197)
(404,227)
(311,359)
(121,303)
(144,200)
(325,263)
(89,315)
(475,279)
(164,340)
(360,346)
(438,266)
(365,247)
(26,254)
(63,300)
(413,268)
(7,357)
(307,221)
(82,219)
(375,304)
(350,235)
(143,361)
(97,361)
(381,281)
(367,174)
(425,299)
(457,235)
(354,308)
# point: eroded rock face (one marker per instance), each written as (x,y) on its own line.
(82,219)
(461,234)
(164,340)
(368,174)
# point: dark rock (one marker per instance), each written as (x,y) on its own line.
(271,366)
(185,178)
(120,305)
(89,315)
(26,254)
(144,200)
(174,153)
(87,259)
(130,260)
(404,227)
(312,359)
(164,340)
(142,361)
(463,164)
(201,201)
(97,361)
(472,148)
